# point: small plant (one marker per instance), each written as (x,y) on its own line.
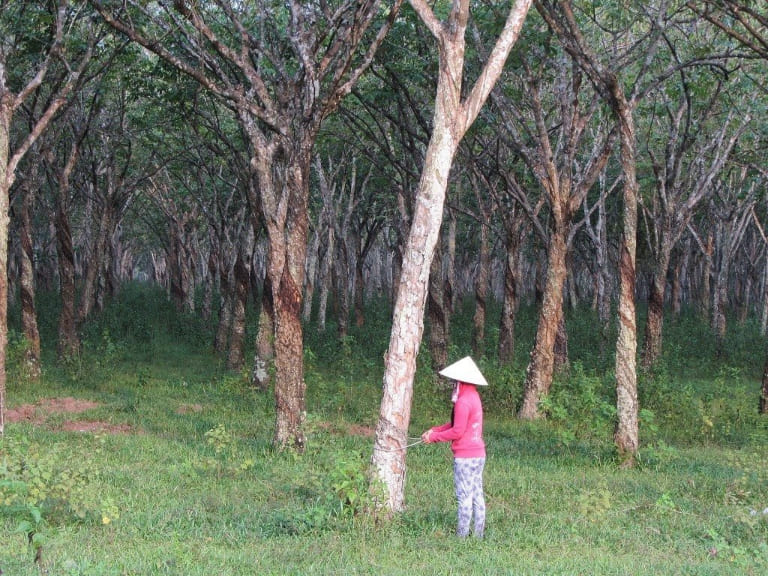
(33,527)
(38,483)
(227,457)
(580,404)
(595,504)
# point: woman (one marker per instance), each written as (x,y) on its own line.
(465,433)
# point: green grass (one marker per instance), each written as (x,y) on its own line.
(192,502)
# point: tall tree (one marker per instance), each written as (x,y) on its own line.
(606,79)
(34,38)
(282,68)
(694,153)
(453,115)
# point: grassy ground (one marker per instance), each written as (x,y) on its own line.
(187,483)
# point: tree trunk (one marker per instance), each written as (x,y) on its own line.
(482,280)
(309,284)
(681,277)
(93,269)
(287,257)
(206,310)
(325,279)
(509,307)
(242,276)
(437,315)
(561,347)
(655,323)
(226,295)
(763,404)
(451,119)
(6,179)
(705,295)
(27,286)
(626,435)
(450,271)
(719,304)
(342,289)
(69,342)
(538,378)
(408,318)
(265,349)
(764,314)
(359,297)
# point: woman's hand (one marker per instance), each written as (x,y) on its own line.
(425,436)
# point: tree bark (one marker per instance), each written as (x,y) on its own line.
(6,180)
(482,280)
(438,315)
(538,379)
(27,284)
(287,258)
(311,273)
(69,342)
(94,266)
(265,335)
(242,276)
(510,304)
(626,434)
(654,324)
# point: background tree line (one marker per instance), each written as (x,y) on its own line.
(278,155)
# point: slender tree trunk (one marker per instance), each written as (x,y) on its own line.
(226,290)
(450,272)
(325,278)
(309,284)
(6,179)
(265,339)
(242,276)
(437,315)
(720,303)
(481,293)
(27,286)
(763,404)
(655,323)
(359,298)
(343,289)
(538,379)
(408,319)
(764,315)
(69,342)
(509,307)
(705,296)
(681,277)
(626,435)
(93,269)
(206,310)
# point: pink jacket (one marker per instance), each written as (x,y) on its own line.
(465,433)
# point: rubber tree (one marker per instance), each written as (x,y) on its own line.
(51,25)
(606,79)
(453,115)
(697,147)
(281,68)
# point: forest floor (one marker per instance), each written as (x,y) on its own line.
(148,458)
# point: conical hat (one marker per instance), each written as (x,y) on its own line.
(465,370)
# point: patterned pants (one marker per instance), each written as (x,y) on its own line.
(468,478)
